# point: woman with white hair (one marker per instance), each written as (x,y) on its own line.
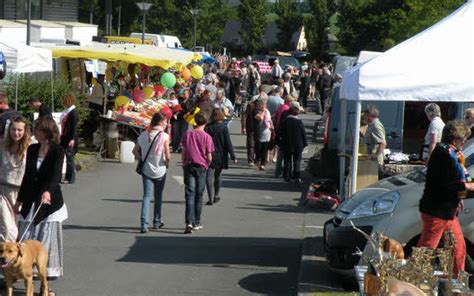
(435,130)
(223,103)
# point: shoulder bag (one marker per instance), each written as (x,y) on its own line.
(141,163)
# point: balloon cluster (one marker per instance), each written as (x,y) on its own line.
(167,81)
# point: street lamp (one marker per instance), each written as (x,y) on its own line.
(28,22)
(144,6)
(194,12)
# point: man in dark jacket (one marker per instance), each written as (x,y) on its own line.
(293,141)
(324,87)
(39,107)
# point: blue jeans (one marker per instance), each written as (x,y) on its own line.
(279,164)
(152,187)
(70,166)
(194,185)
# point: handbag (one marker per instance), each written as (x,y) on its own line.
(141,163)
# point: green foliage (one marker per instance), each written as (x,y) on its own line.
(30,86)
(379,25)
(317,26)
(168,17)
(417,15)
(252,16)
(213,14)
(131,15)
(288,22)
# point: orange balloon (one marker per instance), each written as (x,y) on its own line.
(186,74)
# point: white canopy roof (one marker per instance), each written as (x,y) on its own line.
(22,58)
(434,65)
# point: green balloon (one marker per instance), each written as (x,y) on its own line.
(168,80)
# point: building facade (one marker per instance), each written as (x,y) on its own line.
(57,10)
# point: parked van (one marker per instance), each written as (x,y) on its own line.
(160,40)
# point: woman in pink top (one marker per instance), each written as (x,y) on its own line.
(196,157)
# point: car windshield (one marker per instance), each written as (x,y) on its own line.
(419,176)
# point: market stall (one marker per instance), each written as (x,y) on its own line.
(410,71)
(139,78)
(149,55)
(22,58)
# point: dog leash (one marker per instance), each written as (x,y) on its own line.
(29,224)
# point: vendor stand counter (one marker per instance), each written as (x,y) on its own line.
(116,129)
(392,169)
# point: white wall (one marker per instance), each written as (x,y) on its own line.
(48,33)
(16,34)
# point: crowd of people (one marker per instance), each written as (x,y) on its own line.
(32,166)
(269,117)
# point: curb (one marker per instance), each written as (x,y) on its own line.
(314,275)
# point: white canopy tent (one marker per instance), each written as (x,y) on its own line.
(434,65)
(22,58)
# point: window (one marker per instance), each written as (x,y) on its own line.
(22,9)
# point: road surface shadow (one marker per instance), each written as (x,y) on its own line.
(226,252)
(284,208)
(190,249)
(269,283)
(264,184)
(139,200)
(103,228)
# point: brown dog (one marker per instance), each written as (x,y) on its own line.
(18,261)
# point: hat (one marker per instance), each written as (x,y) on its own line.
(295,105)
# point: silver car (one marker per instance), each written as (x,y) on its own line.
(390,207)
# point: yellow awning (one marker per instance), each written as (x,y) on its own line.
(131,53)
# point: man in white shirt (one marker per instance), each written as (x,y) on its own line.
(435,130)
(277,71)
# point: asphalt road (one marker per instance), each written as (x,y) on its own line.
(250,243)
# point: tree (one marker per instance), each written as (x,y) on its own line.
(252,16)
(417,15)
(211,20)
(317,26)
(379,25)
(363,25)
(288,22)
(130,14)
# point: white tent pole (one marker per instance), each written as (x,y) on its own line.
(342,148)
(52,92)
(16,92)
(355,149)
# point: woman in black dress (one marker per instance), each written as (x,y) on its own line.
(40,188)
(220,158)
